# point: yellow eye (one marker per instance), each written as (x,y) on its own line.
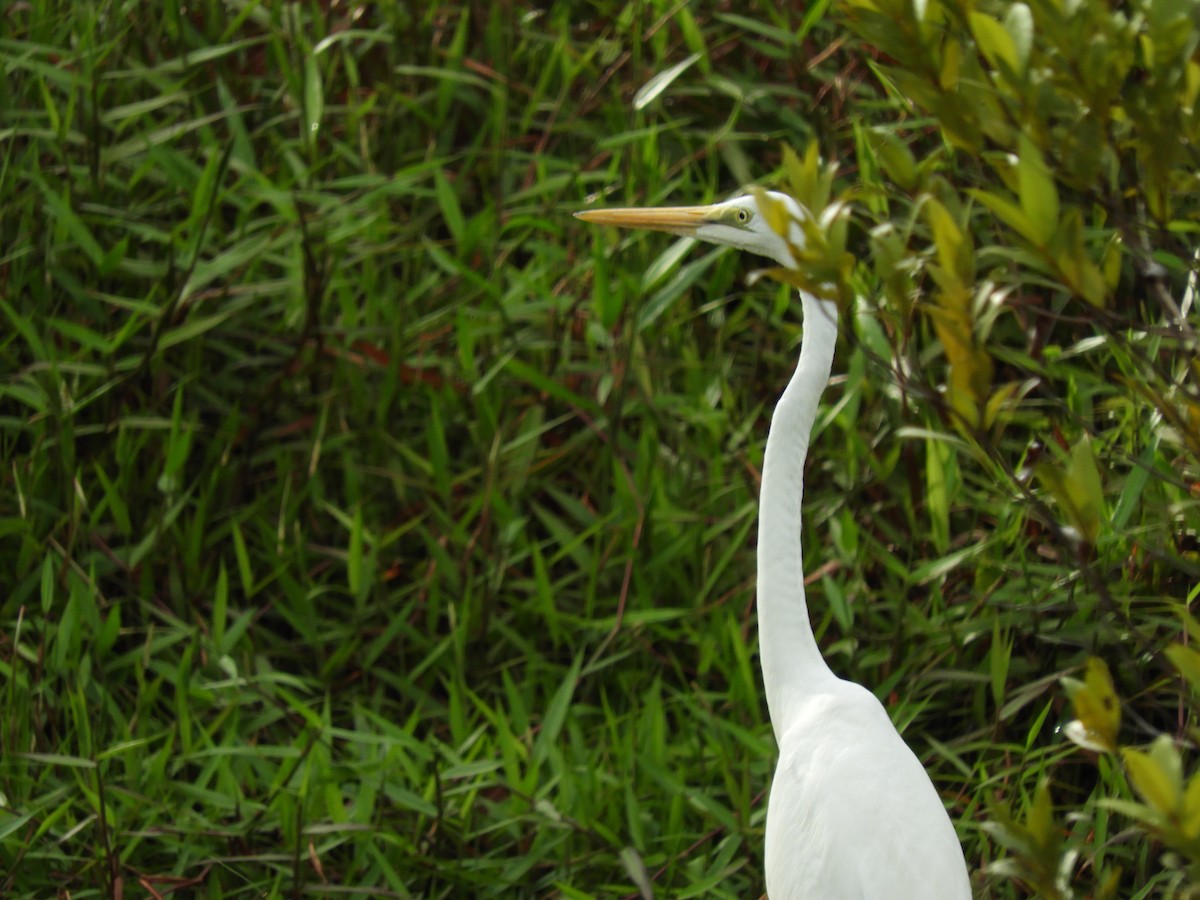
(743,216)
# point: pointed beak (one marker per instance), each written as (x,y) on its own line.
(674,219)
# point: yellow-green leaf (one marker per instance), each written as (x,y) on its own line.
(1084,488)
(1111,265)
(1037,191)
(1009,213)
(1097,708)
(895,157)
(1077,488)
(947,236)
(1040,820)
(775,213)
(798,173)
(1153,781)
(1190,625)
(940,460)
(1092,286)
(1191,80)
(1187,661)
(1164,752)
(1190,817)
(1000,405)
(809,183)
(951,64)
(996,43)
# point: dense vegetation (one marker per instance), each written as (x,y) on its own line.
(371,526)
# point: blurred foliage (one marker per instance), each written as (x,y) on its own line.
(365,527)
(1031,209)
(368,527)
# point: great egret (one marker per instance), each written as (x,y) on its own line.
(852,814)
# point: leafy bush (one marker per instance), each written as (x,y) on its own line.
(1031,208)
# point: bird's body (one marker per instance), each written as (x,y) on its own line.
(852,814)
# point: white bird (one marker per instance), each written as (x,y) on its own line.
(852,814)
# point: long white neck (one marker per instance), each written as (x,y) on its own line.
(792,665)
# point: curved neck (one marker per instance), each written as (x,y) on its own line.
(791,661)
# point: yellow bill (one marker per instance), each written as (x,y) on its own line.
(673,219)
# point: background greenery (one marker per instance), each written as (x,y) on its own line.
(370,526)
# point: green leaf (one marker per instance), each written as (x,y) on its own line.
(355,556)
(896,159)
(1008,212)
(242,556)
(1037,191)
(314,97)
(664,297)
(635,868)
(939,457)
(25,327)
(58,759)
(995,42)
(59,207)
(556,713)
(220,607)
(47,583)
(999,658)
(448,204)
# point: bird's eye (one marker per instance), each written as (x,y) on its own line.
(743,216)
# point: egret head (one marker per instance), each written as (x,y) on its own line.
(735,223)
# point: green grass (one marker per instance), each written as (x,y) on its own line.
(370,526)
